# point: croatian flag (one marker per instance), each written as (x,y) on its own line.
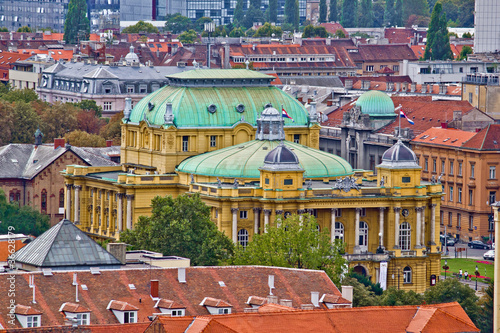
(403,115)
(284,114)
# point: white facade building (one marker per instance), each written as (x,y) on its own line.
(487,26)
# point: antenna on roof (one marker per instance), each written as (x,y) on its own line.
(399,116)
(75,283)
(270,283)
(32,286)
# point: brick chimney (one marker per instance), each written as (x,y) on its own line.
(61,142)
(109,143)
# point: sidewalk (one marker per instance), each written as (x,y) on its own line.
(472,284)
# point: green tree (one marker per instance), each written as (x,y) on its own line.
(485,318)
(378,13)
(290,12)
(340,34)
(415,7)
(58,120)
(112,130)
(177,23)
(267,30)
(88,121)
(252,15)
(296,17)
(349,13)
(394,297)
(366,15)
(239,13)
(7,116)
(180,227)
(362,295)
(26,121)
(89,105)
(466,50)
(333,15)
(451,290)
(323,10)
(389,13)
(398,13)
(199,25)
(438,42)
(237,32)
(4,29)
(139,27)
(188,37)
(77,25)
(20,95)
(273,10)
(312,31)
(24,220)
(294,243)
(24,28)
(83,139)
(466,35)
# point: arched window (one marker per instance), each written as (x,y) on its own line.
(363,235)
(11,197)
(404,236)
(407,274)
(339,231)
(61,198)
(44,201)
(243,237)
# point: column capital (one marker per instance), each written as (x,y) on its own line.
(121,195)
(129,196)
(279,212)
(267,211)
(69,186)
(301,211)
(77,187)
(333,210)
(433,205)
(234,210)
(382,208)
(397,210)
(358,210)
(256,209)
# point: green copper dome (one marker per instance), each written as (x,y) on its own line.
(376,103)
(244,161)
(215,98)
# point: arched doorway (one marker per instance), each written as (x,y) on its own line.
(360,270)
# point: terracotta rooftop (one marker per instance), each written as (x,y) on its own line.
(26,310)
(438,318)
(486,139)
(121,306)
(73,307)
(168,304)
(449,137)
(214,302)
(132,286)
(381,53)
(5,248)
(332,28)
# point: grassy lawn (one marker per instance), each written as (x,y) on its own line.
(469,265)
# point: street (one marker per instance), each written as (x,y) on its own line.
(467,253)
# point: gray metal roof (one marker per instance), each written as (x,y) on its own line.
(27,160)
(64,245)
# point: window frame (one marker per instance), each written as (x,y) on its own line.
(405,236)
(407,275)
(243,237)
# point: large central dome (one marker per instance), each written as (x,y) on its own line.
(376,103)
(244,161)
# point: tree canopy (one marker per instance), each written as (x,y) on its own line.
(188,37)
(140,26)
(294,243)
(438,41)
(23,219)
(24,28)
(268,30)
(180,227)
(312,31)
(349,13)
(323,10)
(333,14)
(83,139)
(76,25)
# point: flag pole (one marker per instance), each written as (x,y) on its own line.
(399,116)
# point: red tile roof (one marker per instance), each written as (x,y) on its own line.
(214,302)
(73,307)
(418,50)
(332,28)
(168,304)
(382,53)
(52,291)
(56,54)
(7,59)
(26,310)
(121,306)
(445,318)
(53,36)
(449,137)
(6,248)
(398,35)
(486,139)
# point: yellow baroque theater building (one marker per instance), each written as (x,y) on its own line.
(223,134)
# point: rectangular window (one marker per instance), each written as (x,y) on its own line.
(451,167)
(459,220)
(243,214)
(441,217)
(338,212)
(471,222)
(266,181)
(288,182)
(107,106)
(185,143)
(442,166)
(363,212)
(32,321)
(369,68)
(459,199)
(471,196)
(130,89)
(296,138)
(177,313)
(406,179)
(107,90)
(213,141)
(450,219)
(493,197)
(395,68)
(472,167)
(129,317)
(82,319)
(224,311)
(451,193)
(470,98)
(460,168)
(434,167)
(493,174)
(426,164)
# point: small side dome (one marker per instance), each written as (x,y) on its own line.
(270,112)
(131,57)
(376,103)
(399,155)
(281,158)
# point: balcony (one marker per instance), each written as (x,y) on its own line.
(367,256)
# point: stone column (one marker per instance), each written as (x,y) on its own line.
(256,219)
(77,204)
(278,220)
(356,232)
(68,201)
(433,224)
(422,223)
(267,212)
(119,208)
(419,226)
(234,225)
(129,197)
(332,225)
(301,213)
(396,227)
(381,225)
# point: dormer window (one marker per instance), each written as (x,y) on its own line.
(216,306)
(170,308)
(123,311)
(76,312)
(27,316)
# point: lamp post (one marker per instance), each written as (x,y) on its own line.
(477,274)
(445,267)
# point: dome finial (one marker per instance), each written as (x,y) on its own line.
(270,125)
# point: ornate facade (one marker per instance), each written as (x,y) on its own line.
(387,222)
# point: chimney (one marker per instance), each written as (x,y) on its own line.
(59,143)
(347,292)
(272,299)
(286,302)
(181,274)
(118,250)
(328,41)
(253,47)
(109,143)
(154,288)
(444,125)
(270,283)
(315,298)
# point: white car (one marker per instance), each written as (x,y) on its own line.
(489,255)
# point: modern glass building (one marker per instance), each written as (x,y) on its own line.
(487,26)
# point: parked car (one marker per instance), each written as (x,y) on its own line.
(489,255)
(478,245)
(451,241)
